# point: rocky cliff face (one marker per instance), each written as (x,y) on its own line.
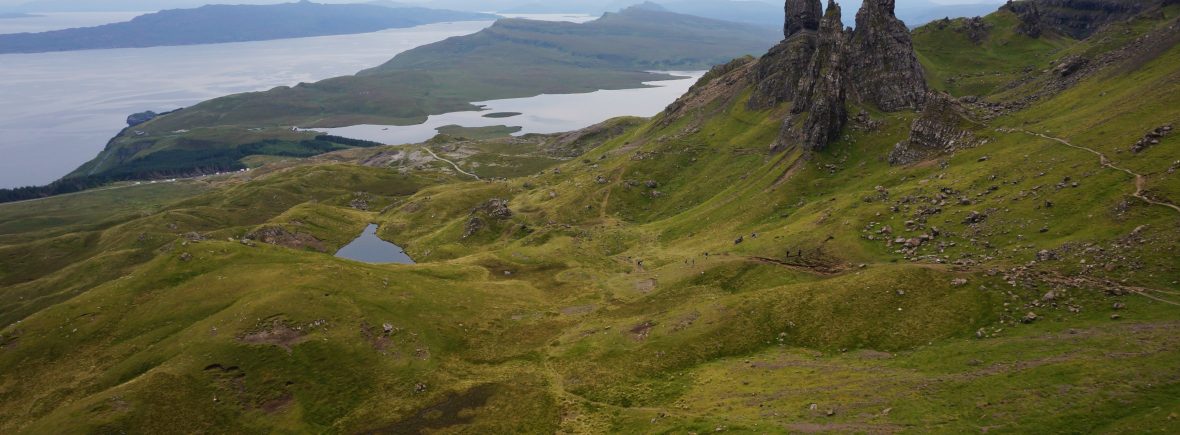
(819,112)
(819,68)
(778,72)
(1076,18)
(882,60)
(802,15)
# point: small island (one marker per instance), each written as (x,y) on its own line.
(498,115)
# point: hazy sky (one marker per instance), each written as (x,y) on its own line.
(164,4)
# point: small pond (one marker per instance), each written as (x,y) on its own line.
(369,248)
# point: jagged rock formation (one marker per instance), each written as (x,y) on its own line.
(943,127)
(779,71)
(818,71)
(819,112)
(801,15)
(1076,18)
(882,60)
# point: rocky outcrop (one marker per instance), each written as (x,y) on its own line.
(942,128)
(492,210)
(882,60)
(975,29)
(280,236)
(819,112)
(1076,18)
(802,15)
(140,118)
(819,71)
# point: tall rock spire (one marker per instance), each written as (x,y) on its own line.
(801,15)
(819,112)
(882,60)
(777,74)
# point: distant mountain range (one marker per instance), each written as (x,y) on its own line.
(237,23)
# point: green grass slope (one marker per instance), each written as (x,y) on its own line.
(675,277)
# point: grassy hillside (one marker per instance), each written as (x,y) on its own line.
(673,277)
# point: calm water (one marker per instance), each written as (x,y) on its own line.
(540,114)
(61,108)
(369,248)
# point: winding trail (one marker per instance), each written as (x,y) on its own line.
(1140,180)
(457,168)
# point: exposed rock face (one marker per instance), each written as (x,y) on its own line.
(1030,18)
(819,112)
(820,70)
(1076,18)
(943,127)
(882,60)
(140,118)
(802,15)
(778,72)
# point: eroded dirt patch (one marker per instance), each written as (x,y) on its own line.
(274,332)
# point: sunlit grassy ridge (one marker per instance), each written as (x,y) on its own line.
(617,297)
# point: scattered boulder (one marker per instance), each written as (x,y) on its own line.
(1029,318)
(1152,138)
(975,218)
